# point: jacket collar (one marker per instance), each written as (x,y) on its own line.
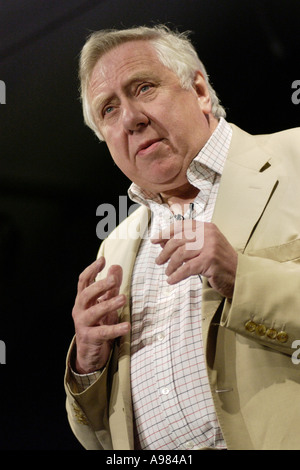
(247,183)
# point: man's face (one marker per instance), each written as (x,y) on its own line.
(152,126)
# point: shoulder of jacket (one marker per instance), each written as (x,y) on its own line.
(280,144)
(286,136)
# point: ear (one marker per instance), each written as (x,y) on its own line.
(201,88)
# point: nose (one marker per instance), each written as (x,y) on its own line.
(134,117)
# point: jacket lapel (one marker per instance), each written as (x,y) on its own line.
(121,414)
(247,184)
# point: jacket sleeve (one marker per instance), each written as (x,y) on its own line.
(266,301)
(87,410)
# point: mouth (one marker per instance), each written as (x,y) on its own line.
(147,147)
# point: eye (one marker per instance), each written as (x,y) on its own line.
(144,88)
(107,110)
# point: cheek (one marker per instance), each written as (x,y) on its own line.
(116,145)
(179,121)
(123,163)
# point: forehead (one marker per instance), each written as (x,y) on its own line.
(125,61)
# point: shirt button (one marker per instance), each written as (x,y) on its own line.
(160,336)
(165,391)
(189,445)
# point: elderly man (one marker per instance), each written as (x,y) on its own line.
(183,345)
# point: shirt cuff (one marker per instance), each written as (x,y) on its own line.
(82,381)
(85,380)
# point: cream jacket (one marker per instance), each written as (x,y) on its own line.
(249,341)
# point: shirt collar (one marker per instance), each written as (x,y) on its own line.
(211,157)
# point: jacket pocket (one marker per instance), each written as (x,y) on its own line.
(289,251)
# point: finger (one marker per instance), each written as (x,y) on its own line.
(186,270)
(117,272)
(87,277)
(180,256)
(190,231)
(104,333)
(167,233)
(100,337)
(114,280)
(88,296)
(168,250)
(179,229)
(105,311)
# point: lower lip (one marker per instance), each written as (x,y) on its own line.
(151,148)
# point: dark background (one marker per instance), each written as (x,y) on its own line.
(54,173)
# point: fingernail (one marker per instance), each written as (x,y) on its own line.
(155,238)
(110,280)
(124,327)
(100,262)
(119,300)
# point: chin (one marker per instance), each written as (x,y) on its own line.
(165,178)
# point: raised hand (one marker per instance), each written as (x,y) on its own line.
(191,247)
(95,315)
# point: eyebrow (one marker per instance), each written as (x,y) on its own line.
(102,98)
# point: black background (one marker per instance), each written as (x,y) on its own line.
(54,173)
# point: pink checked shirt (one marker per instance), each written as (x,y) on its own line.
(172,402)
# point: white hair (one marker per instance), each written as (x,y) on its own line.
(174,50)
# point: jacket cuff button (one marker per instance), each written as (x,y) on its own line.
(260,330)
(250,326)
(271,333)
(282,337)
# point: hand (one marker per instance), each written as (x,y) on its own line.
(95,316)
(193,247)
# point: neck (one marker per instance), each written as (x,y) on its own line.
(178,199)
